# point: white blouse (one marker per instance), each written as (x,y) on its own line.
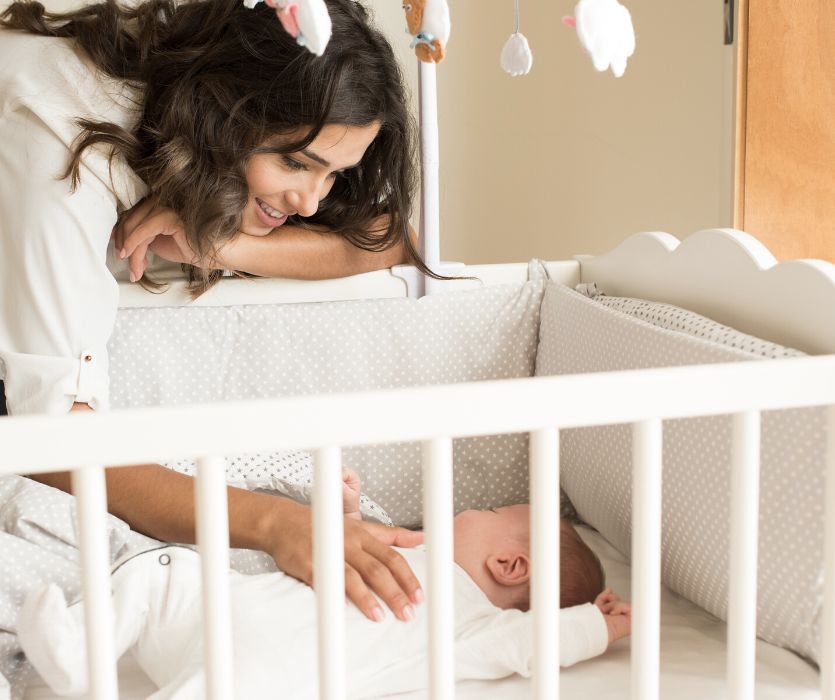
(58,298)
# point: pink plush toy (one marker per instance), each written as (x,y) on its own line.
(307,21)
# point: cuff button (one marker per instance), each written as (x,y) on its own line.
(88,358)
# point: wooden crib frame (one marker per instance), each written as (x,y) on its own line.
(649,265)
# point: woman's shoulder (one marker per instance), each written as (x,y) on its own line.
(55,74)
(51,81)
(26,58)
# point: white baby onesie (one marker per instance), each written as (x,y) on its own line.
(156,597)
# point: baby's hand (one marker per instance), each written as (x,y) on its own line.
(351,494)
(616,613)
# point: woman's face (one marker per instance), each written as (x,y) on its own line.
(281,185)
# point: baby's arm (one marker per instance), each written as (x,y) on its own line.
(351,493)
(616,613)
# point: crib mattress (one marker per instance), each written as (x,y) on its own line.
(692,659)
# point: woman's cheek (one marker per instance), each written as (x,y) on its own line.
(328,186)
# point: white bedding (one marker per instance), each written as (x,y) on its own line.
(692,659)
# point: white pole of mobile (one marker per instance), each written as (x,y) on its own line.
(430,203)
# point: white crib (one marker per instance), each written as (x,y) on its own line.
(771,303)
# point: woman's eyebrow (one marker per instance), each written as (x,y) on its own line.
(318,159)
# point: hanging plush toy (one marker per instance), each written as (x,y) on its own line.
(516,58)
(307,21)
(428,23)
(605,30)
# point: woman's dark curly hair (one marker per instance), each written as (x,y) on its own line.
(217,81)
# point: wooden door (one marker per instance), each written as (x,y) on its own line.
(785,176)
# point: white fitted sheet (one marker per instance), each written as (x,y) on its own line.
(692,659)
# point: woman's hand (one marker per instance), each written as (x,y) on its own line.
(371,565)
(148,226)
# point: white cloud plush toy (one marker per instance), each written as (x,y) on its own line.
(604,28)
(517,58)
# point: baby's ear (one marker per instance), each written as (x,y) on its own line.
(509,569)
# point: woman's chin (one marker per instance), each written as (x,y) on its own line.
(257,230)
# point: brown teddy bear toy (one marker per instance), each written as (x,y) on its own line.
(428,23)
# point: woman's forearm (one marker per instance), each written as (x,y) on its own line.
(301,253)
(159,502)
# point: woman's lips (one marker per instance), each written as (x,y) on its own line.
(265,218)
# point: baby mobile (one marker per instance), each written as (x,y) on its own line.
(604,28)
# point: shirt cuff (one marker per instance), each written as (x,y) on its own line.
(583,634)
(48,384)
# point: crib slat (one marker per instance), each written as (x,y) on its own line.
(88,486)
(545,561)
(646,557)
(827,658)
(438,536)
(212,517)
(742,595)
(329,570)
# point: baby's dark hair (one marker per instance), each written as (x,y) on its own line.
(582,577)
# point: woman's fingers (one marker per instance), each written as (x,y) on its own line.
(361,596)
(166,247)
(130,219)
(394,536)
(142,234)
(137,262)
(371,567)
(162,221)
(383,569)
(379,573)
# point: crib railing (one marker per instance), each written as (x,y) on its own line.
(434,415)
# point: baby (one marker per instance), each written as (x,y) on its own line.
(156,598)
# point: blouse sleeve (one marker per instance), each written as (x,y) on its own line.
(506,646)
(57,296)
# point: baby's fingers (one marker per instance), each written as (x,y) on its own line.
(350,479)
(621,608)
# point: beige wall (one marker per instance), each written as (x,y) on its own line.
(567,160)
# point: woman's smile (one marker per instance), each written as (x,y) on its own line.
(269,215)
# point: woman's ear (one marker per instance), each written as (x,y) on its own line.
(509,569)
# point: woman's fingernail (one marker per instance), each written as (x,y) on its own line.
(418,596)
(409,613)
(132,277)
(378,614)
(122,254)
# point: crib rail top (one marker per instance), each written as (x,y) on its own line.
(411,414)
(728,276)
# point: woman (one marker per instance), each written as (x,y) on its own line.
(224,144)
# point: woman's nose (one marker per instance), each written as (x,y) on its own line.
(304,200)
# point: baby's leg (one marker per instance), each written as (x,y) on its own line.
(52,634)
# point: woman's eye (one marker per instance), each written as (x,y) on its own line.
(293,164)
